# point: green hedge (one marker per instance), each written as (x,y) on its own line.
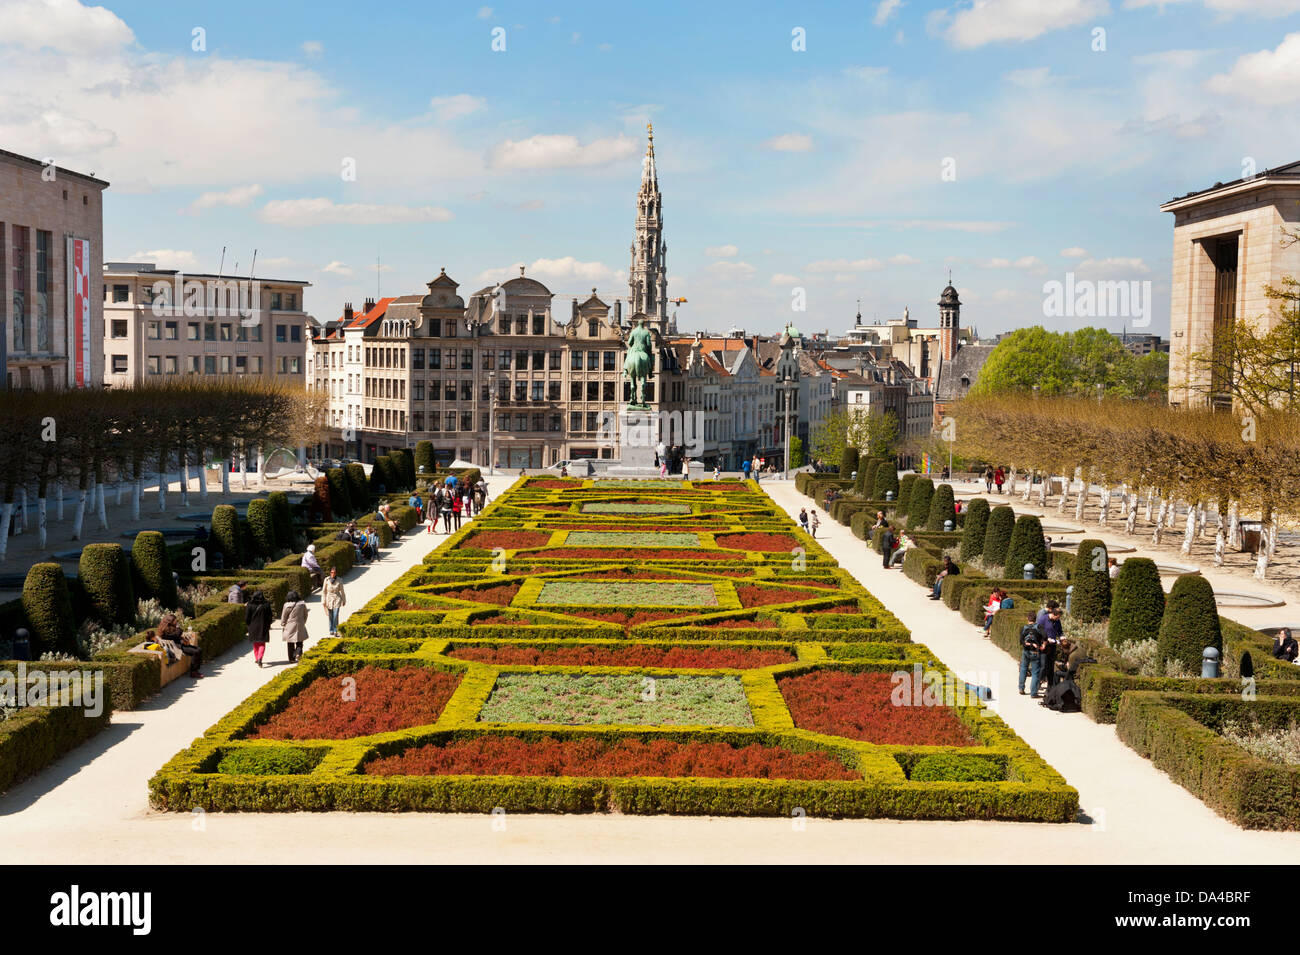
(340,499)
(38,735)
(47,605)
(1028,546)
(848,462)
(886,481)
(105,576)
(1190,622)
(152,568)
(225,534)
(976,513)
(904,495)
(1091,580)
(1137,602)
(281,518)
(425,461)
(997,536)
(942,509)
(358,489)
(261,526)
(918,508)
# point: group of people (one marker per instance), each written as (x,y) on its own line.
(365,541)
(450,502)
(893,546)
(809,523)
(994,476)
(1050,660)
(259,616)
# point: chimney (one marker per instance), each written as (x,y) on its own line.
(347,312)
(575,310)
(370,303)
(618,311)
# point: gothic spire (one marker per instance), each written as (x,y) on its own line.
(648,276)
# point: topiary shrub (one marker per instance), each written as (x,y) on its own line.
(1028,546)
(918,507)
(977,520)
(886,481)
(47,605)
(1137,602)
(261,527)
(942,509)
(997,535)
(1091,581)
(281,518)
(404,458)
(105,576)
(866,478)
(848,462)
(152,568)
(1190,622)
(358,490)
(952,767)
(225,534)
(320,500)
(425,463)
(340,502)
(904,498)
(388,476)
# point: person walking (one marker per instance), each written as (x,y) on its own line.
(744,466)
(293,618)
(999,478)
(886,541)
(333,598)
(813,523)
(257,618)
(803,517)
(717,470)
(988,480)
(444,510)
(456,504)
(237,593)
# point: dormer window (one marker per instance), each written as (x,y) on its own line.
(593,328)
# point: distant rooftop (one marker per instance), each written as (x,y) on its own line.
(151,268)
(1290,171)
(28,160)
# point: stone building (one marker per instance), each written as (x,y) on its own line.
(160,324)
(1229,243)
(51,255)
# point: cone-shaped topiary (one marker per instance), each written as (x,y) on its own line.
(997,535)
(388,476)
(866,479)
(261,526)
(1091,582)
(225,534)
(1137,602)
(320,499)
(358,490)
(918,507)
(886,481)
(105,575)
(1190,623)
(405,461)
(152,568)
(942,508)
(972,537)
(281,518)
(1028,546)
(848,462)
(340,503)
(425,464)
(47,605)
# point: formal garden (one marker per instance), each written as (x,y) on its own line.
(100,619)
(1230,740)
(621,646)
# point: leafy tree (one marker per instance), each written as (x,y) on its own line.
(1069,363)
(873,434)
(796,452)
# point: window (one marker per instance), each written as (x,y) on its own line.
(435,421)
(435,359)
(170,330)
(521,328)
(539,422)
(467,392)
(209,332)
(417,391)
(119,328)
(291,301)
(170,364)
(539,361)
(539,328)
(121,293)
(521,422)
(467,421)
(575,420)
(281,333)
(449,393)
(241,364)
(450,421)
(553,391)
(592,421)
(575,360)
(575,391)
(225,364)
(503,391)
(607,391)
(555,360)
(154,364)
(485,392)
(467,359)
(504,359)
(20,287)
(521,391)
(295,333)
(275,301)
(44,282)
(593,328)
(485,422)
(611,361)
(256,331)
(449,328)
(417,420)
(537,391)
(557,423)
(209,364)
(592,358)
(191,331)
(119,364)
(192,364)
(225,331)
(435,328)
(488,359)
(593,391)
(503,422)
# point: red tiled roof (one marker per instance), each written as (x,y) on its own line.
(363,319)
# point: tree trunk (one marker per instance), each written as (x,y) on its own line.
(261,465)
(1150,495)
(20,524)
(1171,519)
(225,477)
(1266,531)
(1189,533)
(101,511)
(1130,521)
(6,515)
(162,486)
(1082,502)
(1103,506)
(1200,519)
(1064,502)
(1159,524)
(1234,524)
(42,529)
(58,500)
(137,492)
(243,466)
(203,478)
(80,513)
(1011,481)
(1123,500)
(119,490)
(183,459)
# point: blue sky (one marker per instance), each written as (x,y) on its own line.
(818,169)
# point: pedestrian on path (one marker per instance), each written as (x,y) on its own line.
(456,504)
(744,466)
(293,618)
(999,478)
(257,617)
(1032,642)
(814,523)
(333,598)
(803,517)
(717,470)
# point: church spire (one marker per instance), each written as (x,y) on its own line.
(648,276)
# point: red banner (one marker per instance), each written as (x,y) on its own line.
(79,310)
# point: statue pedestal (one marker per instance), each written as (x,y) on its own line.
(638,433)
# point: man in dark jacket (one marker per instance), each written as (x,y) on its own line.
(950,569)
(1031,645)
(887,543)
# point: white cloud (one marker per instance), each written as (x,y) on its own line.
(903,259)
(1259,8)
(1031,78)
(168,259)
(485,13)
(782,279)
(727,271)
(884,10)
(721,251)
(558,151)
(338,268)
(1026,263)
(63,25)
(1112,266)
(552,270)
(866,72)
(453,107)
(1268,77)
(313,47)
(993,21)
(322,211)
(235,196)
(790,143)
(844,265)
(1074,252)
(942,225)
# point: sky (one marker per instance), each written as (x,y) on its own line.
(811,155)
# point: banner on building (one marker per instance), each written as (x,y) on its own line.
(79,363)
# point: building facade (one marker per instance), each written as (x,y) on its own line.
(1229,243)
(51,255)
(160,324)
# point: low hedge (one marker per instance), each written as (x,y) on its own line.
(38,735)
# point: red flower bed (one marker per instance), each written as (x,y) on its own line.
(758,542)
(640,553)
(739,625)
(496,594)
(627,655)
(498,620)
(858,706)
(623,617)
(554,485)
(506,540)
(552,756)
(754,596)
(384,700)
(619,526)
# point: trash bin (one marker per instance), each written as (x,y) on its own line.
(1251,531)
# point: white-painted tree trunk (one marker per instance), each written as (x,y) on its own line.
(6,515)
(1082,501)
(185,479)
(1029,486)
(119,491)
(1103,506)
(261,466)
(1064,502)
(79,514)
(1011,481)
(20,522)
(1201,519)
(243,466)
(101,511)
(1123,500)
(137,492)
(1159,524)
(1234,524)
(1266,532)
(1189,532)
(1130,522)
(203,478)
(42,528)
(1171,518)
(162,492)
(1151,493)
(58,500)
(225,476)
